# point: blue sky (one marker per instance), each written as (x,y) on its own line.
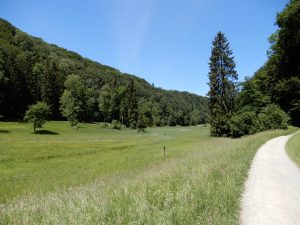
(166,42)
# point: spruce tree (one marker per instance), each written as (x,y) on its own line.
(132,104)
(222,78)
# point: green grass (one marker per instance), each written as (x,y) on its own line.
(94,175)
(293,148)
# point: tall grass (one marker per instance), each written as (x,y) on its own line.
(199,182)
(31,163)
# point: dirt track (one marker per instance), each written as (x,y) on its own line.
(272,191)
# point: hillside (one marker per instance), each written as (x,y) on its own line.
(32,70)
(278,80)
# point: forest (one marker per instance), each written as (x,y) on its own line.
(278,80)
(268,100)
(33,71)
(81,90)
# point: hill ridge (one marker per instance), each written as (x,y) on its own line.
(33,70)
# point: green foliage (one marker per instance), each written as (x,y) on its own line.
(37,114)
(273,117)
(279,79)
(243,123)
(32,70)
(222,78)
(251,95)
(145,116)
(51,87)
(115,124)
(248,121)
(219,125)
(105,102)
(157,114)
(38,72)
(197,117)
(73,99)
(70,109)
(132,105)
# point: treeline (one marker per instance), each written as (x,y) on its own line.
(33,71)
(278,81)
(268,100)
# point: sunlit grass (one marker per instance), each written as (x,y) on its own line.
(37,163)
(102,176)
(293,148)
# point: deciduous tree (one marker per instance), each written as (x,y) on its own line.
(73,99)
(132,104)
(37,114)
(105,102)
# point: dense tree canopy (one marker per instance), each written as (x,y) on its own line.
(32,70)
(73,100)
(254,108)
(106,102)
(278,81)
(276,85)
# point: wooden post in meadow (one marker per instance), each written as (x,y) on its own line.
(165,151)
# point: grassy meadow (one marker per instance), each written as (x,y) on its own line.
(94,175)
(293,148)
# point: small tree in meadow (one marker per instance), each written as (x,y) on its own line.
(37,114)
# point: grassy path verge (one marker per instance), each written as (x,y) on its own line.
(293,148)
(200,181)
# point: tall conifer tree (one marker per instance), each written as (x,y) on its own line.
(222,77)
(132,104)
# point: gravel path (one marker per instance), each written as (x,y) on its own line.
(272,191)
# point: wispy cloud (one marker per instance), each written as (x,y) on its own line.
(132,24)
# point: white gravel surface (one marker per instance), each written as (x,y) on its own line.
(272,191)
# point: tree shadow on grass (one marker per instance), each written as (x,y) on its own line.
(4,131)
(46,132)
(142,131)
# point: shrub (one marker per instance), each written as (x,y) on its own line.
(219,126)
(141,125)
(247,121)
(243,123)
(115,124)
(273,117)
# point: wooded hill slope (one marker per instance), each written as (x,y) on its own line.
(32,70)
(278,80)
